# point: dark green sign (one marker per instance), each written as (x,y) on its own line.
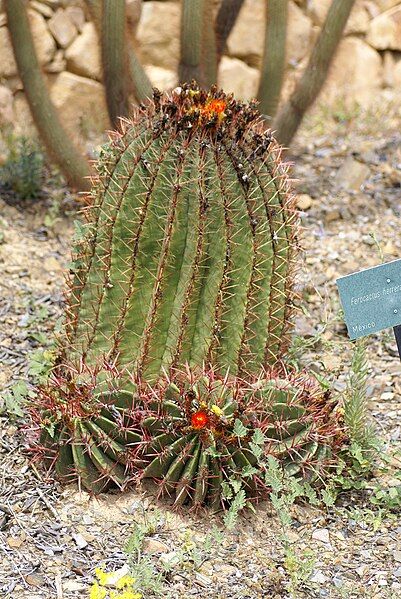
(371,299)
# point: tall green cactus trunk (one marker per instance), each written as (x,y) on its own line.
(139,82)
(225,21)
(189,243)
(310,84)
(114,59)
(73,165)
(198,43)
(273,66)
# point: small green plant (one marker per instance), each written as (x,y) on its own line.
(388,499)
(298,567)
(191,554)
(14,399)
(23,171)
(364,443)
(52,215)
(149,578)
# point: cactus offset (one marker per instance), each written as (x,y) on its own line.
(191,433)
(202,434)
(84,428)
(189,243)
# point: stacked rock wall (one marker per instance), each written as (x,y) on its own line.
(368,58)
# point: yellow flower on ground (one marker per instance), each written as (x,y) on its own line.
(97,592)
(104,577)
(217,411)
(125,581)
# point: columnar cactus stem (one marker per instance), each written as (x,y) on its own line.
(198,43)
(225,21)
(73,165)
(273,67)
(310,84)
(139,81)
(114,59)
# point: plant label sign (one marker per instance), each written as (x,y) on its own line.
(371,300)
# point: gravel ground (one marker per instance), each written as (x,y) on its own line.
(52,537)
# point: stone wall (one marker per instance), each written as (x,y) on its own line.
(368,58)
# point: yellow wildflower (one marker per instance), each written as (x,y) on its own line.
(125,581)
(217,411)
(97,592)
(104,577)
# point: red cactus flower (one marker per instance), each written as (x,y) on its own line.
(216,106)
(199,419)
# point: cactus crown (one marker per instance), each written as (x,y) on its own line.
(187,249)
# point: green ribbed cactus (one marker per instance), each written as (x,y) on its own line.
(186,255)
(209,430)
(195,434)
(179,305)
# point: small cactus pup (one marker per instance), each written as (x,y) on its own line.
(211,436)
(203,437)
(86,430)
(186,253)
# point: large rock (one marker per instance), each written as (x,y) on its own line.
(41,8)
(397,74)
(237,77)
(81,104)
(246,40)
(76,15)
(7,62)
(386,4)
(163,79)
(385,30)
(299,34)
(83,56)
(62,27)
(388,69)
(358,21)
(158,33)
(58,64)
(44,44)
(356,73)
(23,118)
(6,105)
(133,11)
(247,36)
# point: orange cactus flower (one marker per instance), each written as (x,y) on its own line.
(199,419)
(216,106)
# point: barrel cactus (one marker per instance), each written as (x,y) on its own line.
(179,311)
(187,250)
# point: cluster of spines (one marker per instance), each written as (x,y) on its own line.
(181,432)
(85,432)
(297,421)
(229,303)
